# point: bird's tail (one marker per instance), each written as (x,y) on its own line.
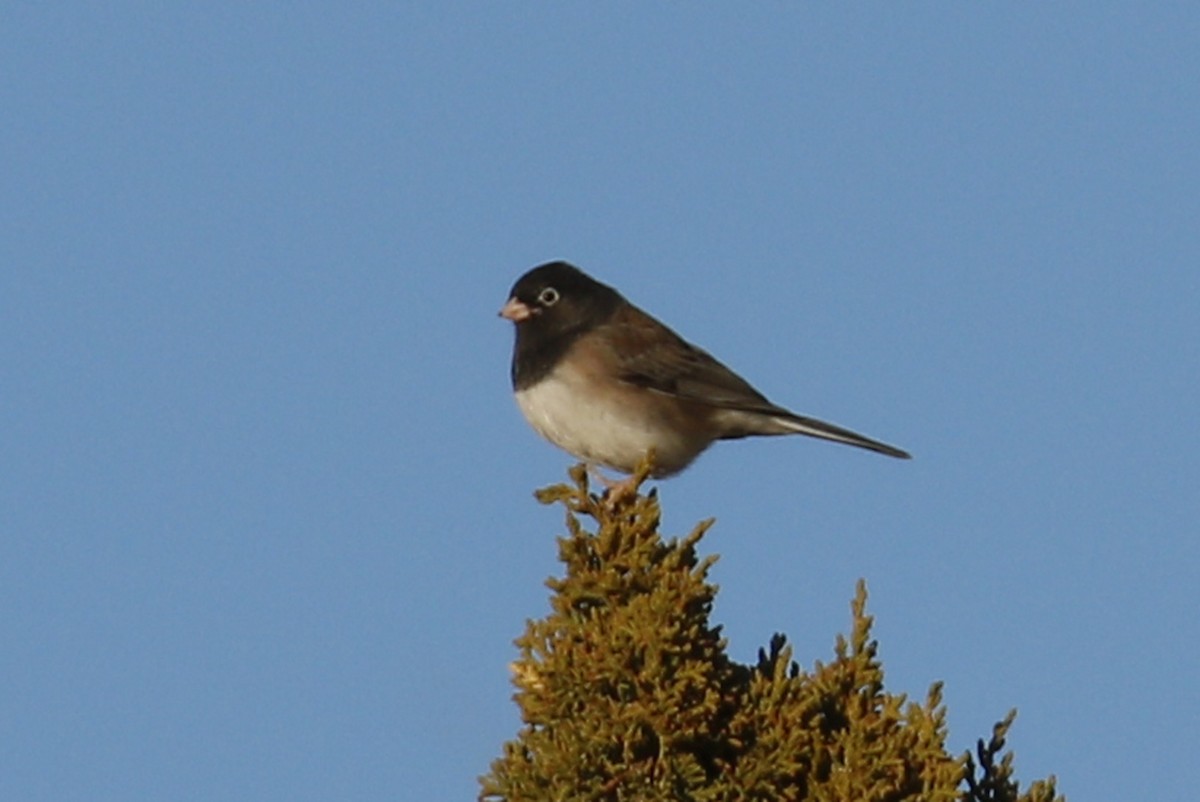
(796,424)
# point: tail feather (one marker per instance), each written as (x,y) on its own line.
(827,431)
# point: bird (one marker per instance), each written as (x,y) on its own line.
(607,382)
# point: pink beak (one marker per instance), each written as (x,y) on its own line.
(516,311)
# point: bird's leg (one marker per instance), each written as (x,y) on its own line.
(614,489)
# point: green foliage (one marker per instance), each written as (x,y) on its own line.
(626,692)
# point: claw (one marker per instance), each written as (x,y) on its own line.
(616,490)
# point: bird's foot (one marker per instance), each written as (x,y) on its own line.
(616,490)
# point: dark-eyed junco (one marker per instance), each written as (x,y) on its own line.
(606,382)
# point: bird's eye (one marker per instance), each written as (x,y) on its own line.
(548,297)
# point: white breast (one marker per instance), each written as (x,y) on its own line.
(602,428)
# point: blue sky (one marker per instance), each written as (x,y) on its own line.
(266,524)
